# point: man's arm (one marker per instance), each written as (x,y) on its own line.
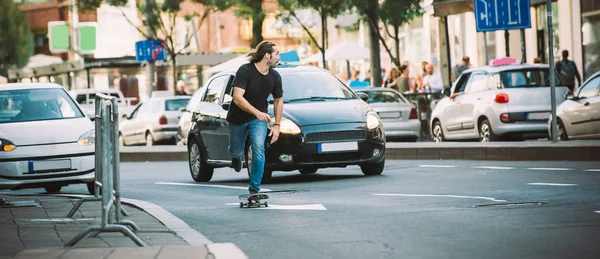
(240,101)
(278,105)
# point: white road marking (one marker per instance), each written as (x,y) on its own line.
(438,166)
(494,167)
(438,195)
(553,184)
(288,207)
(598,211)
(550,169)
(592,170)
(209,185)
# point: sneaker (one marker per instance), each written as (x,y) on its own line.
(252,192)
(237,164)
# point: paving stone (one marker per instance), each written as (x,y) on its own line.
(182,252)
(40,254)
(86,253)
(134,253)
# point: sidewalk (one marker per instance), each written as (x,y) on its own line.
(41,230)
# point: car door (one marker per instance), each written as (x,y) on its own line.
(472,100)
(222,132)
(209,115)
(141,122)
(451,116)
(127,125)
(585,117)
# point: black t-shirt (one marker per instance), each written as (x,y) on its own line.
(258,88)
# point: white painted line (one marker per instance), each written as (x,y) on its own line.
(494,167)
(592,170)
(549,169)
(553,184)
(436,195)
(598,211)
(437,166)
(288,207)
(209,185)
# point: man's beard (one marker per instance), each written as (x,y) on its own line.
(272,64)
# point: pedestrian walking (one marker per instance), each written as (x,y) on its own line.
(568,71)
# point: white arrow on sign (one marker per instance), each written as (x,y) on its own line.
(288,207)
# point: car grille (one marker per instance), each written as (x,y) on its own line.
(337,157)
(335,136)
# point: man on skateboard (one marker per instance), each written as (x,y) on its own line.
(248,116)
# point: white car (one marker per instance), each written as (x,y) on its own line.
(86,99)
(500,101)
(45,139)
(579,116)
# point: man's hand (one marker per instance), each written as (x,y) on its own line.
(274,134)
(454,95)
(261,116)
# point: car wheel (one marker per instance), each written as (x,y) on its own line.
(199,169)
(438,133)
(267,173)
(53,189)
(310,170)
(91,186)
(121,140)
(373,168)
(486,134)
(562,131)
(149,139)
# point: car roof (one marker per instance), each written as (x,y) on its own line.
(496,69)
(20,86)
(94,90)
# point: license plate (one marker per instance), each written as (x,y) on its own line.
(385,115)
(339,146)
(48,165)
(538,115)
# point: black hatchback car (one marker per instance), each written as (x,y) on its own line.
(325,124)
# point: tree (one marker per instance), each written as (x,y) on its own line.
(16,37)
(370,11)
(396,13)
(161,20)
(252,9)
(326,9)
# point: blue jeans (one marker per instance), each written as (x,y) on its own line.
(237,142)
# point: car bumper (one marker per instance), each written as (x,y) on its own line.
(523,127)
(408,129)
(18,168)
(305,151)
(165,133)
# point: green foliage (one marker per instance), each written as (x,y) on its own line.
(16,37)
(398,12)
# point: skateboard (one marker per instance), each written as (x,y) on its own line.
(254,200)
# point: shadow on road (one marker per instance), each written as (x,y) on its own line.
(292,179)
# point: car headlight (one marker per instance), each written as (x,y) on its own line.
(6,145)
(88,138)
(287,127)
(372,121)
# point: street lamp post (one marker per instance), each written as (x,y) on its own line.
(554,129)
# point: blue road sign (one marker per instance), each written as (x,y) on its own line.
(494,15)
(147,50)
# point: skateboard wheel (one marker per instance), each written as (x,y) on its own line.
(241,204)
(266,204)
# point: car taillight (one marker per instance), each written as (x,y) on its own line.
(162,120)
(413,114)
(501,98)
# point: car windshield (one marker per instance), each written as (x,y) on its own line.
(175,104)
(37,105)
(533,77)
(313,86)
(384,97)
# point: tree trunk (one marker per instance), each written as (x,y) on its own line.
(397,44)
(323,38)
(175,77)
(257,22)
(374,41)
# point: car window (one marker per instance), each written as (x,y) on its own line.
(175,104)
(134,113)
(533,77)
(313,84)
(37,105)
(81,98)
(192,103)
(477,83)
(228,93)
(591,89)
(461,83)
(215,87)
(384,97)
(146,108)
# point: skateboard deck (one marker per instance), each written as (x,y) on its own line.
(254,200)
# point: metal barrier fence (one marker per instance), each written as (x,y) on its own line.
(108,177)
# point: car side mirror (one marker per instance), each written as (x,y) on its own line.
(363,96)
(125,116)
(226,105)
(446,92)
(183,109)
(569,96)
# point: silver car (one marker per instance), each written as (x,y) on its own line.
(579,116)
(398,116)
(153,120)
(45,139)
(509,101)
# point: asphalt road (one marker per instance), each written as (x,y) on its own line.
(416,209)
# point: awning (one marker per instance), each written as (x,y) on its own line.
(451,7)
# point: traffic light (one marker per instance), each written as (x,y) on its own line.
(58,37)
(87,32)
